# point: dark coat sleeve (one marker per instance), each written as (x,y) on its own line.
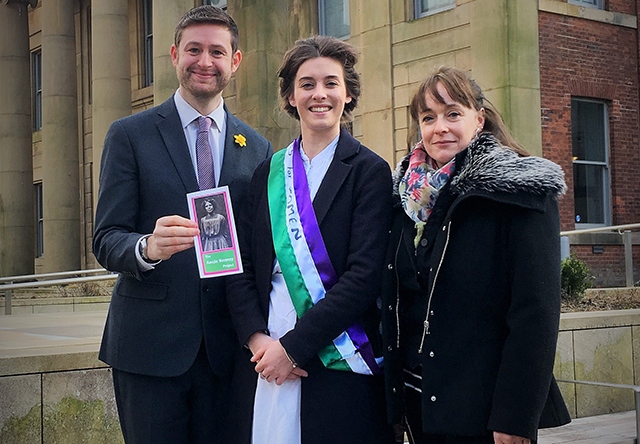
(526,367)
(243,296)
(117,219)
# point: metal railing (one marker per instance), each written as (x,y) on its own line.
(625,232)
(10,283)
(635,388)
(57,274)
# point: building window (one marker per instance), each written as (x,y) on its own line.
(39,221)
(89,57)
(36,81)
(147,34)
(428,7)
(597,4)
(590,148)
(219,3)
(334,18)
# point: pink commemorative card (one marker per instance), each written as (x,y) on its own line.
(216,248)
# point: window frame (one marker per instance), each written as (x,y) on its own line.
(36,85)
(599,4)
(419,13)
(39,222)
(223,7)
(322,19)
(146,34)
(89,55)
(604,164)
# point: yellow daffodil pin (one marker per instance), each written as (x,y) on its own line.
(240,139)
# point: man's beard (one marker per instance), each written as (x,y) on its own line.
(204,94)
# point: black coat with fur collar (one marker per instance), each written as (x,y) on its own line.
(485,278)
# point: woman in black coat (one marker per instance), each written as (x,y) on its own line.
(306,305)
(471,291)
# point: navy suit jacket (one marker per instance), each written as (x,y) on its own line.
(158,319)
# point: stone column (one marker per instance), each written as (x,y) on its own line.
(111,79)
(252,94)
(166,14)
(16,177)
(506,64)
(377,123)
(60,171)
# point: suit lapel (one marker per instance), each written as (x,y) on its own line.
(231,150)
(336,174)
(172,133)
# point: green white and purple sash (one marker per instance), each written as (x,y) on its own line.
(304,260)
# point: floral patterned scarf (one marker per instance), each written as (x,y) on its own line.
(420,186)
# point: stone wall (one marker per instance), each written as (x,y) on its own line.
(599,347)
(69,407)
(56,305)
(56,390)
(53,388)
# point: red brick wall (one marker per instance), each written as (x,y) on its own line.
(623,6)
(589,59)
(608,267)
(585,58)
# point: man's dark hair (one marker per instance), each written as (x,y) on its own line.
(209,15)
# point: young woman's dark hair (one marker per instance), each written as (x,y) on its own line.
(319,46)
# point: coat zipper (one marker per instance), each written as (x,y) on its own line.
(425,331)
(398,289)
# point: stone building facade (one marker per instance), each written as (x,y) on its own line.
(554,68)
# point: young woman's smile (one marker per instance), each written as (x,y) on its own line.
(319,95)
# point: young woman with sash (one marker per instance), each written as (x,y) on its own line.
(313,236)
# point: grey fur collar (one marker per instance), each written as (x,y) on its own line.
(488,167)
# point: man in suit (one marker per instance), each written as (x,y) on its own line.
(168,335)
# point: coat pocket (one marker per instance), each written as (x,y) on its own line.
(133,288)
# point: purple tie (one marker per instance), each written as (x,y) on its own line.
(206,175)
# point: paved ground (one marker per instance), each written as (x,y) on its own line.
(32,343)
(38,335)
(615,428)
(50,333)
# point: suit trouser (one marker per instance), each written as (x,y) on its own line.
(190,408)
